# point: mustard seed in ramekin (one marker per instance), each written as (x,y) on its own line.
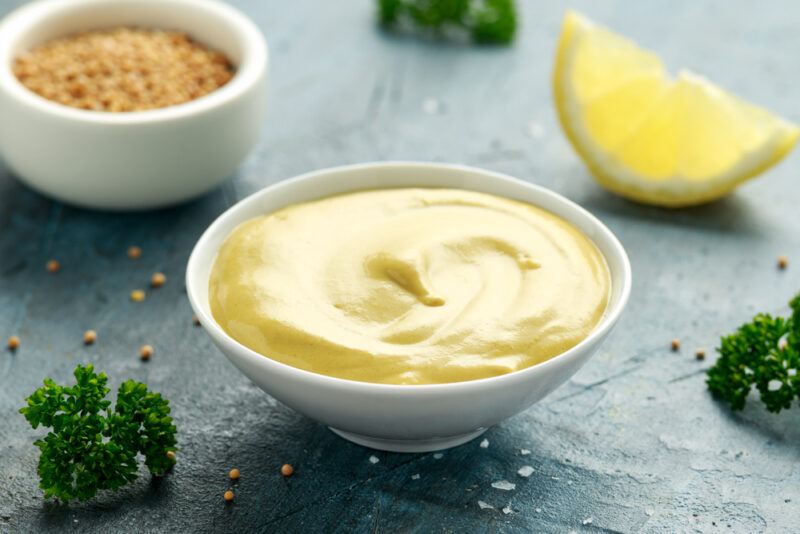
(134,253)
(137,295)
(122,69)
(53,266)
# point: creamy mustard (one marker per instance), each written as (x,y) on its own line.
(409,286)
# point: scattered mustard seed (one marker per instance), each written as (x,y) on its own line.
(783,262)
(171,455)
(53,266)
(157,280)
(228,496)
(287,470)
(195,320)
(145,352)
(675,345)
(700,354)
(134,253)
(137,295)
(234,474)
(89,337)
(13,343)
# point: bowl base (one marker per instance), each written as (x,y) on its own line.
(409,445)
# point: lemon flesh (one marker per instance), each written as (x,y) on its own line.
(653,138)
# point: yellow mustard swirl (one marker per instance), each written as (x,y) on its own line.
(409,286)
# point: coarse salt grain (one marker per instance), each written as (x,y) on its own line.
(415,477)
(587,521)
(438,456)
(373,459)
(507,510)
(525,471)
(431,106)
(504,485)
(524,452)
(485,505)
(535,130)
(485,444)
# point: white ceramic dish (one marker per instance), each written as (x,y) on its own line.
(133,160)
(394,417)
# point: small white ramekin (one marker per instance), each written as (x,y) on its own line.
(394,417)
(134,160)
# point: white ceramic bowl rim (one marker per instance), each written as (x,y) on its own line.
(608,321)
(19,22)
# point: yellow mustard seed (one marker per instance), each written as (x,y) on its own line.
(783,262)
(134,253)
(89,337)
(287,470)
(700,354)
(171,455)
(145,352)
(675,344)
(13,343)
(234,474)
(158,280)
(228,496)
(137,295)
(122,69)
(53,266)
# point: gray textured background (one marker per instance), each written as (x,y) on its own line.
(633,442)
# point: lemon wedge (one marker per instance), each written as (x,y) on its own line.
(653,138)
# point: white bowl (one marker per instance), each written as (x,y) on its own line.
(404,418)
(133,160)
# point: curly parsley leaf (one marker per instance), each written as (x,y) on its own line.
(486,21)
(763,354)
(90,447)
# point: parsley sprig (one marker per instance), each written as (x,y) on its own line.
(487,21)
(765,354)
(91,447)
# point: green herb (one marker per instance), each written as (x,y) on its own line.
(764,353)
(487,21)
(91,447)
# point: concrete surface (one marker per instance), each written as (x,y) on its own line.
(633,443)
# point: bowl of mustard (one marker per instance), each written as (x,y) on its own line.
(408,306)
